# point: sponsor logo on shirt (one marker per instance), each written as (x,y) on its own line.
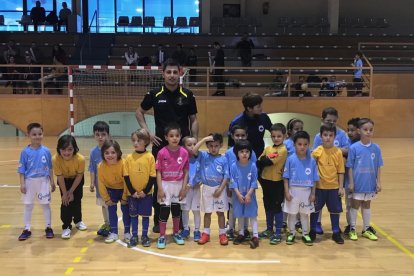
(162,101)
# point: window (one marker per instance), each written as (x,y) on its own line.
(130,9)
(159,9)
(186,8)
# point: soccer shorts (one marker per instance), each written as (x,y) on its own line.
(172,191)
(192,199)
(331,198)
(140,206)
(300,201)
(212,204)
(364,196)
(37,189)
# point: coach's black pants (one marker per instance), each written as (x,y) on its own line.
(73,211)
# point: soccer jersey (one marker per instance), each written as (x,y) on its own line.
(341,139)
(172,164)
(330,164)
(95,158)
(358,71)
(346,177)
(35,162)
(290,146)
(364,161)
(194,172)
(278,155)
(213,169)
(68,168)
(139,167)
(110,176)
(301,172)
(231,157)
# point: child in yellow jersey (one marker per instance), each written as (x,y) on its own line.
(111,188)
(271,162)
(329,189)
(140,176)
(69,166)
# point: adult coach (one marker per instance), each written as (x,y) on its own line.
(171,104)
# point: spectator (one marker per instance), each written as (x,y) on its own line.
(11,50)
(244,47)
(131,56)
(29,77)
(358,81)
(161,55)
(12,75)
(52,20)
(218,61)
(58,55)
(35,54)
(179,55)
(300,88)
(38,15)
(63,16)
(192,61)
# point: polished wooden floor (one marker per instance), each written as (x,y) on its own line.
(86,254)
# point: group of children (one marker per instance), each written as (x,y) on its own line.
(295,180)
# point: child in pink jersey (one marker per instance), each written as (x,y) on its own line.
(172,176)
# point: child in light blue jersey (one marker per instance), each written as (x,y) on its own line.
(364,170)
(36,175)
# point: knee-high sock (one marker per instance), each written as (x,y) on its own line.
(105,214)
(241,226)
(279,222)
(353,213)
(185,215)
(145,225)
(270,215)
(134,226)
(335,223)
(246,223)
(113,218)
(47,214)
(291,223)
(28,210)
(197,220)
(348,209)
(304,220)
(255,230)
(313,220)
(232,220)
(126,218)
(320,216)
(366,218)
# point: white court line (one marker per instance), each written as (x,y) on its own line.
(201,260)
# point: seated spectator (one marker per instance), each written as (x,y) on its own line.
(38,15)
(244,47)
(58,55)
(329,87)
(12,75)
(161,55)
(10,51)
(57,79)
(300,88)
(29,77)
(35,54)
(131,56)
(64,15)
(179,55)
(52,20)
(192,61)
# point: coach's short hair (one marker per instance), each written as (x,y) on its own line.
(170,62)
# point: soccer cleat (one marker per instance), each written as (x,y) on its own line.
(254,243)
(145,241)
(161,243)
(205,238)
(369,233)
(111,238)
(133,241)
(247,235)
(66,233)
(178,239)
(353,235)
(127,237)
(319,229)
(307,240)
(197,236)
(275,239)
(239,239)
(290,239)
(312,235)
(81,226)
(185,233)
(230,234)
(104,230)
(346,231)
(223,239)
(337,238)
(49,233)
(266,234)
(25,235)
(298,227)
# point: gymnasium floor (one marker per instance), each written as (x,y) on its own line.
(86,254)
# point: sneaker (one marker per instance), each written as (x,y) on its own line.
(185,233)
(338,238)
(112,237)
(239,239)
(161,243)
(230,234)
(353,235)
(127,237)
(266,234)
(307,240)
(370,234)
(247,235)
(312,235)
(66,233)
(145,241)
(104,230)
(178,239)
(49,233)
(81,226)
(197,236)
(285,228)
(205,238)
(298,227)
(254,243)
(275,239)
(156,228)
(319,229)
(133,241)
(223,239)
(346,231)
(25,235)
(290,239)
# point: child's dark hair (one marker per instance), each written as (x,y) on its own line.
(354,121)
(329,111)
(111,143)
(291,124)
(170,62)
(363,121)
(301,135)
(251,100)
(32,126)
(216,43)
(241,145)
(142,134)
(278,127)
(101,126)
(170,127)
(236,127)
(327,127)
(65,141)
(184,140)
(217,137)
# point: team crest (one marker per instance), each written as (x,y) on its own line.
(43,159)
(308,171)
(336,143)
(373,156)
(179,160)
(219,168)
(261,128)
(249,176)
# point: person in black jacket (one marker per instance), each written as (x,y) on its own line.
(38,15)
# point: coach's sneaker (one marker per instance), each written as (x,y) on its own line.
(127,237)
(319,229)
(66,233)
(298,227)
(254,243)
(239,239)
(337,238)
(111,238)
(104,230)
(275,239)
(49,233)
(25,235)
(266,234)
(81,226)
(185,233)
(230,234)
(369,233)
(178,239)
(197,236)
(223,239)
(205,238)
(161,243)
(312,235)
(347,230)
(145,241)
(290,239)
(307,240)
(353,235)
(133,241)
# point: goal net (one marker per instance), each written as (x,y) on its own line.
(110,94)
